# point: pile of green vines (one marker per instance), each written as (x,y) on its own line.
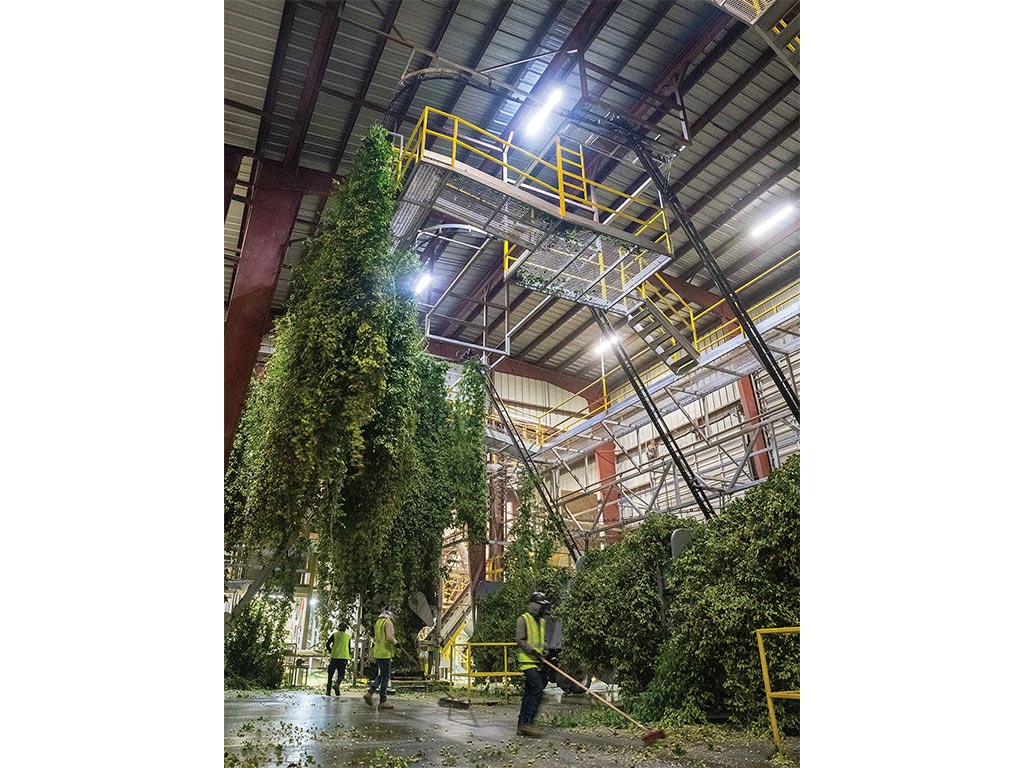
(679,635)
(349,437)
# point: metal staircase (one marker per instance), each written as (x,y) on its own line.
(694,483)
(779,26)
(656,328)
(757,343)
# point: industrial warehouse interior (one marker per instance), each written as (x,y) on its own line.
(512,350)
(520,285)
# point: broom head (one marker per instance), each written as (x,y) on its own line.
(652,736)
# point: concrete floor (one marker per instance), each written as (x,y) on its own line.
(299,729)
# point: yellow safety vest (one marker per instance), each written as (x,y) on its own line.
(534,638)
(340,648)
(382,649)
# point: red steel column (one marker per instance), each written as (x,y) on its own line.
(604,455)
(606,472)
(272,214)
(761,463)
(232,162)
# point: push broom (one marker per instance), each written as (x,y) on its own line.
(650,736)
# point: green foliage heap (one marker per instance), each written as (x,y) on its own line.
(616,615)
(740,573)
(254,648)
(525,569)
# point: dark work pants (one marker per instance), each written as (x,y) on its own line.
(336,665)
(383,678)
(533,691)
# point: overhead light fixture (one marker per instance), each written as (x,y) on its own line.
(771,221)
(422,283)
(554,96)
(605,343)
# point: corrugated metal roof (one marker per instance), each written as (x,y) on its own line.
(250,34)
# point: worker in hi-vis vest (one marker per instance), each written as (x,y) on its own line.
(383,652)
(530,639)
(338,648)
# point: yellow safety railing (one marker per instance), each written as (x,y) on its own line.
(657,289)
(565,181)
(452,587)
(731,326)
(505,674)
(446,649)
(770,695)
(492,568)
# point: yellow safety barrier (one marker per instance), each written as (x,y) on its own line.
(470,675)
(492,568)
(768,692)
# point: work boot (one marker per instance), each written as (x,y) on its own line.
(368,698)
(337,690)
(529,730)
(384,705)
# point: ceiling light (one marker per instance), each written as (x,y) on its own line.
(542,114)
(422,283)
(772,220)
(605,343)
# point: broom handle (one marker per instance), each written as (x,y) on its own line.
(596,696)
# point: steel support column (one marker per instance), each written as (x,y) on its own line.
(604,456)
(232,162)
(274,208)
(760,462)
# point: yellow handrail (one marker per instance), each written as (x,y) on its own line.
(749,283)
(469,674)
(768,692)
(565,179)
(702,343)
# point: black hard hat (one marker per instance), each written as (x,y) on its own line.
(540,598)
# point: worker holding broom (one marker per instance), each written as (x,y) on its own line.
(383,652)
(530,639)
